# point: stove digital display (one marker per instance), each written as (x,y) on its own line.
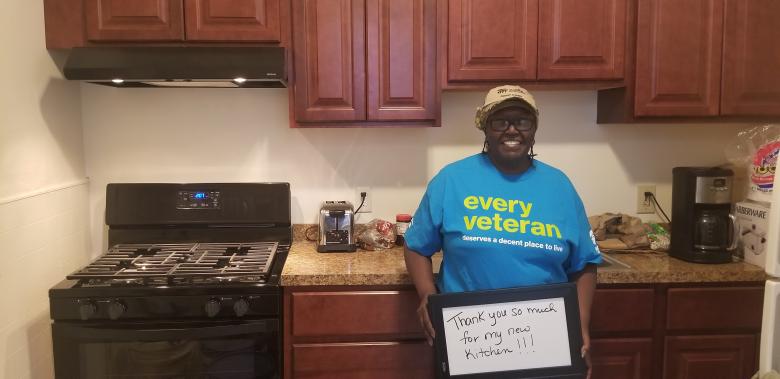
(198,200)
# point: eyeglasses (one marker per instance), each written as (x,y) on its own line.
(521,124)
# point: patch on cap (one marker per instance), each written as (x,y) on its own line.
(499,95)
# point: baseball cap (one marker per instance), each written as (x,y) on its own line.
(501,97)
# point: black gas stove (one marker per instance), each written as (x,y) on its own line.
(191,276)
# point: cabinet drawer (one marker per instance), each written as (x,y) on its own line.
(354,313)
(383,360)
(715,308)
(622,310)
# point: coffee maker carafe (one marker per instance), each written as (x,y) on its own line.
(703,228)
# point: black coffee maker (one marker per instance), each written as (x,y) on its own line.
(703,228)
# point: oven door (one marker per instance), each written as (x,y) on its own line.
(204,349)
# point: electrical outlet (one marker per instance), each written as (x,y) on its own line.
(367,203)
(644,204)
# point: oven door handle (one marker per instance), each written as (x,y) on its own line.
(169,332)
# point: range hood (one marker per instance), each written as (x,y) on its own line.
(190,66)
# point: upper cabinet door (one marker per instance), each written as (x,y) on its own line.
(401,51)
(136,20)
(233,20)
(329,58)
(582,39)
(678,62)
(751,58)
(492,40)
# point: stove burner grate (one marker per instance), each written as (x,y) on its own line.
(140,264)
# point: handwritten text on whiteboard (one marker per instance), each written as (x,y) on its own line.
(506,336)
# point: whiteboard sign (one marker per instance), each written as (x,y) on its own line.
(531,331)
(506,336)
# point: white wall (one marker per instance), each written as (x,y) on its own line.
(43,190)
(206,135)
(40,138)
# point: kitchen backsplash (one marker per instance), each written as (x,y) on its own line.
(44,237)
(184,135)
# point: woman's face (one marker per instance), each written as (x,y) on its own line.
(510,134)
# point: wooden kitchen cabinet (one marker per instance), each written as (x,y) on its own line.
(678,62)
(75,23)
(664,331)
(354,313)
(621,325)
(582,39)
(354,332)
(401,60)
(714,309)
(638,331)
(717,357)
(164,20)
(751,55)
(712,332)
(492,40)
(634,305)
(364,62)
(703,60)
(329,60)
(383,360)
(233,20)
(622,358)
(528,40)
(142,20)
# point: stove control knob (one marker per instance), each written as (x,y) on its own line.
(213,306)
(116,309)
(241,307)
(87,309)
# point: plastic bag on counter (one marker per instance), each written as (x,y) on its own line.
(755,150)
(617,231)
(658,236)
(377,235)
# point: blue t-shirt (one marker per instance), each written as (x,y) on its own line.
(500,231)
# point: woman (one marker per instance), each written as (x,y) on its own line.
(502,218)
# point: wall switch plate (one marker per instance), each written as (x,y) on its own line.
(367,203)
(644,204)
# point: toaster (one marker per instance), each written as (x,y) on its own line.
(337,232)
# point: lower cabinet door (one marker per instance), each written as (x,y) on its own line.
(376,360)
(712,357)
(621,358)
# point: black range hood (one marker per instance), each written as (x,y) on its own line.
(190,66)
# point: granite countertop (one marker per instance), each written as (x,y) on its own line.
(306,267)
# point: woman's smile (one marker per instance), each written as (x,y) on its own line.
(513,148)
(513,143)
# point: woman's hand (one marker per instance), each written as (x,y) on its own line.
(425,320)
(585,351)
(586,287)
(421,271)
